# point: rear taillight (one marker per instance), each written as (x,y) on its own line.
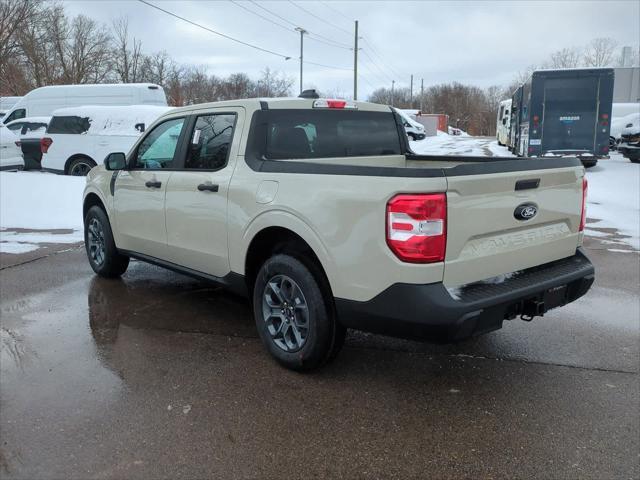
(417,227)
(45,143)
(583,217)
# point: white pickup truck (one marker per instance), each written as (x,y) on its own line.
(317,210)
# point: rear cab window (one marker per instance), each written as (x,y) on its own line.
(312,134)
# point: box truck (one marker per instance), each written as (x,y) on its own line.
(564,113)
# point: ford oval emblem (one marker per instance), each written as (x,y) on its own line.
(526,211)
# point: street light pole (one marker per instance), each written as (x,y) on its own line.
(355,65)
(393,84)
(302,33)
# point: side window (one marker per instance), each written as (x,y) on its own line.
(15,126)
(210,142)
(69,125)
(158,148)
(16,115)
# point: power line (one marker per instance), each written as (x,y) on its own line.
(377,66)
(329,66)
(238,4)
(319,18)
(286,57)
(321,38)
(377,54)
(337,11)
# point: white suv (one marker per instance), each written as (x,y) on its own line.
(77,139)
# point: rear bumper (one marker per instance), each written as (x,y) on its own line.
(430,312)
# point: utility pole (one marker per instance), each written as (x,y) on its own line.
(393,84)
(421,94)
(355,64)
(411,93)
(302,32)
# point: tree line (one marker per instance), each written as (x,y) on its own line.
(40,45)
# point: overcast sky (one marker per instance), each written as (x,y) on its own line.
(480,43)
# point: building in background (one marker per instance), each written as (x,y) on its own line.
(626,85)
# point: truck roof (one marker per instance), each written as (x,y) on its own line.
(277,104)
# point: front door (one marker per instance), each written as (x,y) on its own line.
(196,198)
(139,193)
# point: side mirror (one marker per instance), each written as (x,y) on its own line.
(139,127)
(115,161)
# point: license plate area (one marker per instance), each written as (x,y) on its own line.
(555,297)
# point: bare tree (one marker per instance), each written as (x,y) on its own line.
(599,52)
(566,58)
(14,15)
(273,84)
(127,58)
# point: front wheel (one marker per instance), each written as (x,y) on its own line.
(294,314)
(101,249)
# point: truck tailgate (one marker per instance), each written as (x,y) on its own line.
(484,237)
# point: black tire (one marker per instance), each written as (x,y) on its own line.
(324,334)
(97,235)
(80,167)
(412,137)
(634,160)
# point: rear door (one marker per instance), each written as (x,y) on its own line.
(139,192)
(484,236)
(196,198)
(570,114)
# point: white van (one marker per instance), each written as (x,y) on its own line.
(43,101)
(415,131)
(6,104)
(503,124)
(77,139)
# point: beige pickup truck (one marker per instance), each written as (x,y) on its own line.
(318,211)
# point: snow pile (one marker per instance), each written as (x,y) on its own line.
(39,201)
(613,199)
(115,120)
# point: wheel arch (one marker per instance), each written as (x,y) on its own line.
(92,199)
(280,233)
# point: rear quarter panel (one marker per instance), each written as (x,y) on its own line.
(342,218)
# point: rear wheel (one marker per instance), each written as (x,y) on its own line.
(81,166)
(294,314)
(101,249)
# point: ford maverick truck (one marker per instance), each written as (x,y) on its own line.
(318,212)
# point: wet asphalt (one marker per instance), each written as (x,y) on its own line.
(161,376)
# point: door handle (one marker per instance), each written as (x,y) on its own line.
(209,187)
(153,184)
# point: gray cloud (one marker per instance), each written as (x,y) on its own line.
(482,43)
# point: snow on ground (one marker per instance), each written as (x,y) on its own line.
(613,200)
(39,201)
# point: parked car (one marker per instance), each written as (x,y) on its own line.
(30,130)
(6,103)
(565,112)
(318,211)
(622,118)
(10,153)
(77,139)
(503,122)
(629,144)
(44,101)
(415,130)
